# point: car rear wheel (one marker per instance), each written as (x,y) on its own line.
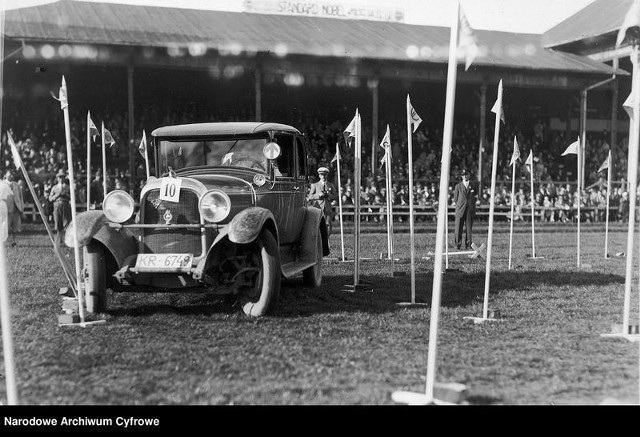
(95,282)
(312,276)
(259,298)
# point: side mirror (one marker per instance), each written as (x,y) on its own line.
(271,151)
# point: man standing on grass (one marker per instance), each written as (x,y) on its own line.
(60,196)
(321,194)
(464,199)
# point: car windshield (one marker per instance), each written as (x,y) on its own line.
(177,154)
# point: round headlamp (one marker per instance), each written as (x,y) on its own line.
(118,206)
(215,206)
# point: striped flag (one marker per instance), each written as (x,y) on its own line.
(529,162)
(516,152)
(350,131)
(573,148)
(632,19)
(93,130)
(467,40)
(142,148)
(606,164)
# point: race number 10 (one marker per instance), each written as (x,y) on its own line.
(170,189)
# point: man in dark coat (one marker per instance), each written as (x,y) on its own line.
(321,194)
(464,197)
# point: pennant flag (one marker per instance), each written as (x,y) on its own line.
(336,157)
(93,130)
(497,107)
(142,148)
(386,140)
(14,152)
(64,102)
(226,158)
(605,165)
(628,105)
(350,131)
(108,139)
(529,162)
(632,19)
(467,40)
(516,152)
(414,118)
(573,148)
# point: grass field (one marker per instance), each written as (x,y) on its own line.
(329,346)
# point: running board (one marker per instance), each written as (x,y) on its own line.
(291,269)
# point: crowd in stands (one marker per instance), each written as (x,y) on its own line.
(42,147)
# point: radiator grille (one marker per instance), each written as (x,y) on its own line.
(185,211)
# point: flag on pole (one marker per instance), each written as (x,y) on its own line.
(14,153)
(64,102)
(516,152)
(497,107)
(628,105)
(605,165)
(108,139)
(467,40)
(336,157)
(92,127)
(529,162)
(573,148)
(142,148)
(632,19)
(386,145)
(350,131)
(413,116)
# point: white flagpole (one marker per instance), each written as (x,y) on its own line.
(88,159)
(494,168)
(387,200)
(340,201)
(606,227)
(72,185)
(390,207)
(442,210)
(533,212)
(578,152)
(446,235)
(146,154)
(5,313)
(104,165)
(632,176)
(411,238)
(513,197)
(356,194)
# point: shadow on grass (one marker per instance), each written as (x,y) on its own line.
(458,290)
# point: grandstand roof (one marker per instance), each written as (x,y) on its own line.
(80,22)
(599,18)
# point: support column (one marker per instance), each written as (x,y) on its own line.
(132,149)
(583,135)
(258,90)
(373,84)
(614,121)
(483,127)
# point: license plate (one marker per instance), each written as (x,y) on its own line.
(164,262)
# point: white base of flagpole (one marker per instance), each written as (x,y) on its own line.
(630,337)
(492,316)
(360,286)
(85,323)
(412,304)
(535,257)
(632,334)
(443,394)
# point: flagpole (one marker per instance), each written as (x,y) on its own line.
(533,212)
(578,151)
(76,247)
(356,181)
(632,176)
(104,165)
(386,161)
(442,210)
(146,155)
(411,237)
(390,208)
(513,196)
(43,216)
(494,168)
(606,227)
(5,312)
(88,159)
(340,201)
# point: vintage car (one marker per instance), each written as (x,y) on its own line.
(228,215)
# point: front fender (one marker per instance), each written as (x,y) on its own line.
(247,225)
(94,225)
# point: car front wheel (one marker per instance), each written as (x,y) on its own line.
(312,276)
(260,296)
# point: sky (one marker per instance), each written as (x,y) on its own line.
(522,16)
